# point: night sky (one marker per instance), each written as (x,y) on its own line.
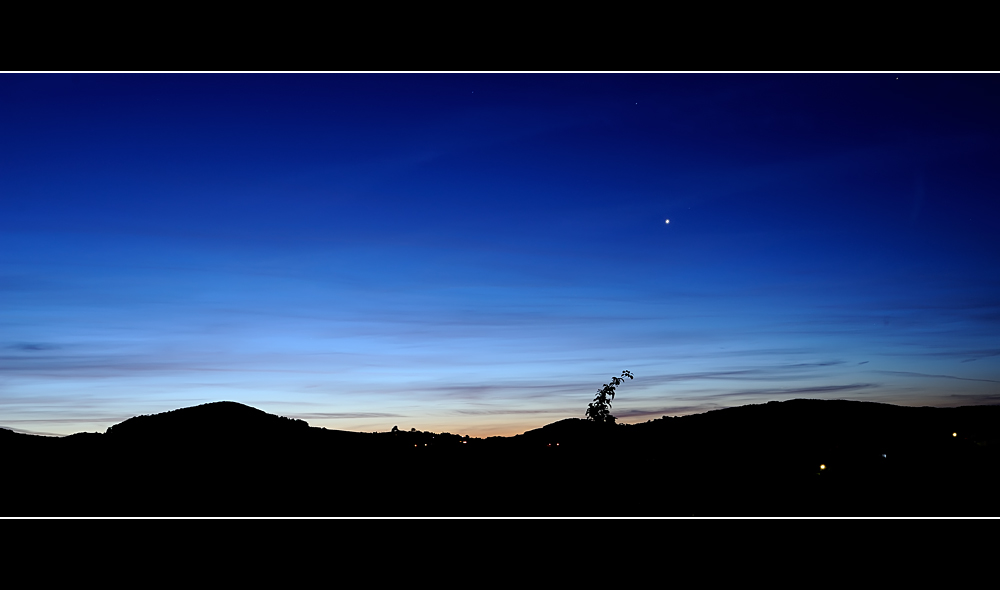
(480,253)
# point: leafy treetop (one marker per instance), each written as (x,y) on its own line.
(599,410)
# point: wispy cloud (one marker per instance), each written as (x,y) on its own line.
(33,346)
(936,376)
(766,373)
(342,415)
(976,400)
(982,355)
(784,392)
(503,411)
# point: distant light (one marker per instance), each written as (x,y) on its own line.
(883,455)
(822,466)
(668,221)
(954,434)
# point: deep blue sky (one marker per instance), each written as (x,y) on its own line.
(479,254)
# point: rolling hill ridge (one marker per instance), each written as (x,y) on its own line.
(226,458)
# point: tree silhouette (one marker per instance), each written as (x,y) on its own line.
(599,410)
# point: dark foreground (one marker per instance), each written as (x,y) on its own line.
(226,459)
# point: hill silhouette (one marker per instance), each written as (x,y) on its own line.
(208,421)
(226,458)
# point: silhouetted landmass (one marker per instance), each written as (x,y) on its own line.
(228,459)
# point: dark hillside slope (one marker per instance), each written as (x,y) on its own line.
(878,458)
(208,421)
(229,459)
(765,459)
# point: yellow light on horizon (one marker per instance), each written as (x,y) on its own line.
(822,466)
(954,434)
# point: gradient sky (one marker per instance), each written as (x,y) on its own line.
(480,253)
